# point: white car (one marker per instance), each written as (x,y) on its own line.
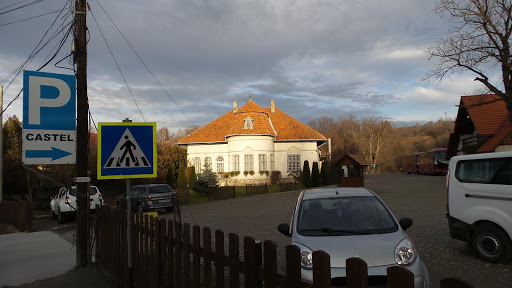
(64,203)
(352,222)
(478,207)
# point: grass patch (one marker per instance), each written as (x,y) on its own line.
(197,198)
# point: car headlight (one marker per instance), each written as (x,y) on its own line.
(405,253)
(306,259)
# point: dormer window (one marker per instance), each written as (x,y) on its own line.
(248,123)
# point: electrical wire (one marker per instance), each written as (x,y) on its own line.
(149,70)
(117,64)
(32,55)
(20,68)
(13,4)
(17,21)
(20,7)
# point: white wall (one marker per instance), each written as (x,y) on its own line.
(255,145)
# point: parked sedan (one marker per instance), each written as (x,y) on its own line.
(64,202)
(352,222)
(148,197)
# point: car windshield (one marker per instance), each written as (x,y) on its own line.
(344,216)
(92,191)
(160,189)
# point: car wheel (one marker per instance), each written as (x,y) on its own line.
(60,217)
(140,209)
(490,243)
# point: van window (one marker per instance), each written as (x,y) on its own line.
(488,171)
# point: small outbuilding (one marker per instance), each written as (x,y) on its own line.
(351,171)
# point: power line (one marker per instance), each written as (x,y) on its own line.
(13,4)
(118,68)
(32,55)
(20,7)
(161,86)
(1,25)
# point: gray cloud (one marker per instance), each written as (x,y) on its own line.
(313,57)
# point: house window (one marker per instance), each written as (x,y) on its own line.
(197,165)
(208,163)
(293,162)
(272,163)
(249,162)
(262,158)
(236,162)
(220,164)
(248,123)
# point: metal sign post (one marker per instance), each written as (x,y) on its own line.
(129,226)
(127,150)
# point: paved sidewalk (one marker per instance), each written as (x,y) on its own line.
(29,257)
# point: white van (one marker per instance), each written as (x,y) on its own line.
(479,203)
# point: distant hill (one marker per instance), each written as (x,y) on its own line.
(398,124)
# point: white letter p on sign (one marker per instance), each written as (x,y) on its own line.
(36,102)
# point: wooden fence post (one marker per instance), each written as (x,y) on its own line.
(186,255)
(321,269)
(250,262)
(219,258)
(163,253)
(293,266)
(399,277)
(178,254)
(196,256)
(207,264)
(270,262)
(170,253)
(234,261)
(357,273)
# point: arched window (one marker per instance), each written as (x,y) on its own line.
(197,165)
(248,123)
(220,164)
(208,163)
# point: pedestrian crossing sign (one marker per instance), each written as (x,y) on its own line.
(127,150)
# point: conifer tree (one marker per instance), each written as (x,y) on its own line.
(315,175)
(306,175)
(182,178)
(324,174)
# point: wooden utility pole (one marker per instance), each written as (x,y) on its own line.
(82,135)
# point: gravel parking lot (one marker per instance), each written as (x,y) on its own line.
(417,196)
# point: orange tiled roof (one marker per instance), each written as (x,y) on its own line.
(503,132)
(487,118)
(278,124)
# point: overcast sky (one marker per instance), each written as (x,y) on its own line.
(315,58)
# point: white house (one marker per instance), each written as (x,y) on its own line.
(253,138)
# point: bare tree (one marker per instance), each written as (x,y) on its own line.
(162,135)
(370,135)
(479,43)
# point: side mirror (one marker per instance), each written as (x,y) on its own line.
(405,223)
(284,229)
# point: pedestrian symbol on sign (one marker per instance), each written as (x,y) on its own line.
(127,154)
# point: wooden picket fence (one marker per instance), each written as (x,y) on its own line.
(183,195)
(287,186)
(164,254)
(256,189)
(221,193)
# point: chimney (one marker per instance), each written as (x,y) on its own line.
(235,106)
(272,106)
